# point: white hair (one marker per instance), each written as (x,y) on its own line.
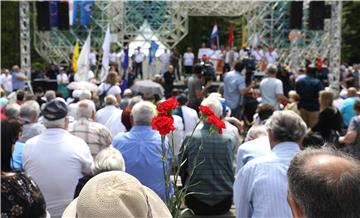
(28,108)
(85,108)
(255,132)
(214,104)
(143,112)
(85,94)
(60,123)
(107,160)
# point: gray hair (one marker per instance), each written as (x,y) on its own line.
(107,160)
(143,112)
(286,126)
(135,100)
(85,109)
(214,104)
(320,192)
(50,95)
(60,123)
(255,132)
(12,110)
(28,108)
(85,94)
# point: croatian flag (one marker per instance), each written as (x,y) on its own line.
(214,35)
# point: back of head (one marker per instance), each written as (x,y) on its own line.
(326,99)
(50,95)
(286,126)
(265,111)
(12,111)
(255,132)
(111,78)
(351,92)
(86,109)
(110,100)
(10,131)
(108,159)
(214,104)
(143,112)
(85,94)
(29,110)
(55,113)
(324,183)
(239,66)
(271,69)
(128,93)
(20,94)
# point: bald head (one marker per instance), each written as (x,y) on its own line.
(324,183)
(351,92)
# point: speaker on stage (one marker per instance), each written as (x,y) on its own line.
(296,14)
(317,13)
(43,15)
(63,14)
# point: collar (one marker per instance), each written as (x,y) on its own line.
(286,147)
(141,128)
(55,131)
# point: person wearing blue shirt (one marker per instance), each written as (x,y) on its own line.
(260,187)
(308,88)
(142,150)
(235,89)
(346,108)
(18,78)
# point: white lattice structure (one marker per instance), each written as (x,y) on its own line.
(169,22)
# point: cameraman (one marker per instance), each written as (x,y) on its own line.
(235,88)
(196,91)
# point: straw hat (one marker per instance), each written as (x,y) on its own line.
(116,194)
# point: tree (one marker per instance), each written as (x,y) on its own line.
(350,47)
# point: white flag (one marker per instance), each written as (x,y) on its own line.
(255,41)
(84,61)
(106,54)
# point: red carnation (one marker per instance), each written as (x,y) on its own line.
(168,105)
(205,110)
(163,124)
(217,122)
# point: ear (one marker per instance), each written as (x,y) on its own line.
(296,212)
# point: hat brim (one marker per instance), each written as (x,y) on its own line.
(158,207)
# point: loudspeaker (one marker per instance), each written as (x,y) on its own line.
(296,14)
(316,15)
(43,15)
(63,14)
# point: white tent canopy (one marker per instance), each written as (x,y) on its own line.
(143,40)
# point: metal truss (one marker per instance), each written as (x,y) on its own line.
(169,22)
(25,57)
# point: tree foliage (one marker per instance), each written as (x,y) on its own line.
(350,52)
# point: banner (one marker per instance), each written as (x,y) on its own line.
(85,12)
(231,38)
(83,62)
(75,57)
(54,17)
(153,48)
(244,37)
(106,54)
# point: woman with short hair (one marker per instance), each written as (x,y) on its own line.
(110,86)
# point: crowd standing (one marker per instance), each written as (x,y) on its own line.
(93,152)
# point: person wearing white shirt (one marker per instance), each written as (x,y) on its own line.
(271,56)
(260,187)
(110,116)
(6,81)
(139,58)
(165,60)
(55,159)
(188,115)
(178,133)
(188,61)
(258,53)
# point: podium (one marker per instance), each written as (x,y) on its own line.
(46,84)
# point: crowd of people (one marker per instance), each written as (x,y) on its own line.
(291,146)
